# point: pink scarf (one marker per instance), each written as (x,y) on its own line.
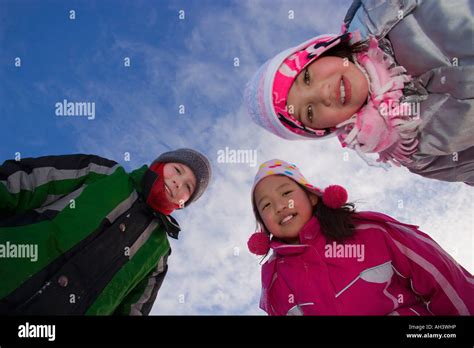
(382,125)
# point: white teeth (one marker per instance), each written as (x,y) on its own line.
(288,218)
(343,92)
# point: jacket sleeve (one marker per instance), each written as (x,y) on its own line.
(278,298)
(351,12)
(282,301)
(377,18)
(142,297)
(445,286)
(272,299)
(32,183)
(457,166)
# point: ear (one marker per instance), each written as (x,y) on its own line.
(313,198)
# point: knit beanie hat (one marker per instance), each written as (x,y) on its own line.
(333,196)
(197,162)
(266,93)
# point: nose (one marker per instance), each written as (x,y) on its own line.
(319,94)
(177,183)
(325,93)
(281,205)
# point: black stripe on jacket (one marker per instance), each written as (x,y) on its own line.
(78,161)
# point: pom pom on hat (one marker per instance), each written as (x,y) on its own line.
(335,196)
(259,243)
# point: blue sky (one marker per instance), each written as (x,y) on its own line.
(190,62)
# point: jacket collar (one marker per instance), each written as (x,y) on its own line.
(310,231)
(169,223)
(308,235)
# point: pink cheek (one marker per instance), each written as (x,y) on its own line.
(267,220)
(184,197)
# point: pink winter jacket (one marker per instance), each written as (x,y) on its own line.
(385,268)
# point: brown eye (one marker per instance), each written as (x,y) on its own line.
(310,113)
(306,76)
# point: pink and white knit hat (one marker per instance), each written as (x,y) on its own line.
(280,167)
(333,196)
(266,93)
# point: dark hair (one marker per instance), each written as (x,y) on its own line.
(336,224)
(345,50)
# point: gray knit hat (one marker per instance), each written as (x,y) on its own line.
(197,162)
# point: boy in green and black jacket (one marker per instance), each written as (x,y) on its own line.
(99,233)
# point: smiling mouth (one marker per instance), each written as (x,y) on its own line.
(344,90)
(286,220)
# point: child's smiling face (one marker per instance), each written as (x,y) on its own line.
(284,206)
(316,97)
(180,182)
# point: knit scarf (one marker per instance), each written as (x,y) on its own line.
(382,126)
(157,199)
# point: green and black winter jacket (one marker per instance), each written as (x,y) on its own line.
(100,248)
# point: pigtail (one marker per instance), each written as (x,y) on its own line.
(336,224)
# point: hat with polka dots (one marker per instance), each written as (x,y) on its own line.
(280,167)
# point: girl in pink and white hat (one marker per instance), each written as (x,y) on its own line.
(328,259)
(396,82)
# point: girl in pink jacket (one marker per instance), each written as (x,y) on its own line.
(329,259)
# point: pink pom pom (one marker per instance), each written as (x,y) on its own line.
(259,243)
(335,196)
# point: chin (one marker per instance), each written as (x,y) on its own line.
(290,234)
(352,110)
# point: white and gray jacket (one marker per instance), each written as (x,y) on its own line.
(434,41)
